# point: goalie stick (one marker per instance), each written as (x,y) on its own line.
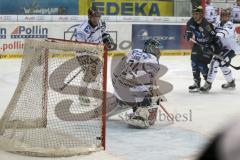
(221,58)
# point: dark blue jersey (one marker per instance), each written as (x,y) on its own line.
(205,35)
(204,32)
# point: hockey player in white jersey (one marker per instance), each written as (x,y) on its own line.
(226,32)
(133,82)
(91,31)
(235,12)
(210,12)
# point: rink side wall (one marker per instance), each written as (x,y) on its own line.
(127,31)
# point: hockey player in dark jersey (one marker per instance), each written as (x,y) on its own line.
(203,33)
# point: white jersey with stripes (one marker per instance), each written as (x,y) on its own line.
(210,13)
(226,32)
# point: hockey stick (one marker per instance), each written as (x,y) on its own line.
(219,57)
(165,110)
(70,80)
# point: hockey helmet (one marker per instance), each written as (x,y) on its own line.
(197,9)
(153,47)
(208,1)
(225,12)
(92,11)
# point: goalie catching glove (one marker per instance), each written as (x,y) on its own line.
(107,40)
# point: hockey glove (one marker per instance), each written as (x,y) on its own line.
(107,40)
(226,62)
(188,35)
(227,55)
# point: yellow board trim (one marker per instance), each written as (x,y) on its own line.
(113,53)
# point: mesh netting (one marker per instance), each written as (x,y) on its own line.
(58,106)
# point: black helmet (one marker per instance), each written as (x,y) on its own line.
(197,9)
(153,46)
(92,11)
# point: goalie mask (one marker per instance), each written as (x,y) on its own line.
(153,47)
(94,16)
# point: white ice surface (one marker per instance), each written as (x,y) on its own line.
(165,141)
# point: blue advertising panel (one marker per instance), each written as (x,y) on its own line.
(170,35)
(39,7)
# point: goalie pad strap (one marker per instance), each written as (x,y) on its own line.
(146,102)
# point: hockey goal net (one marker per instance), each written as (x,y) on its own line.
(46,115)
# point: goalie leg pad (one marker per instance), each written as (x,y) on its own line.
(91,66)
(143,117)
(139,118)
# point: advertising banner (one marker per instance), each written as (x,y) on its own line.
(170,35)
(231,1)
(129,8)
(237,28)
(39,7)
(13,34)
(219,1)
(126,37)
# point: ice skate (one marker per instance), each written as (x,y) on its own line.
(206,87)
(194,88)
(229,85)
